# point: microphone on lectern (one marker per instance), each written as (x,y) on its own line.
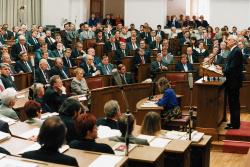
(190,80)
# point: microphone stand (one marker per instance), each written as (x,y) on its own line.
(34,77)
(128,114)
(190,113)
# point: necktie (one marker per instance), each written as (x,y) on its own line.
(142,60)
(190,59)
(113,46)
(35,41)
(50,41)
(23,48)
(107,69)
(185,67)
(123,79)
(29,69)
(134,46)
(64,74)
(124,53)
(69,63)
(45,76)
(48,66)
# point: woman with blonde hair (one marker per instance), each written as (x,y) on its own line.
(79,85)
(168,101)
(151,124)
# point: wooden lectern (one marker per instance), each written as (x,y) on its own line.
(210,103)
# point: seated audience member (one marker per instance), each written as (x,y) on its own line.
(86,127)
(167,57)
(111,45)
(173,33)
(79,85)
(151,124)
(8,99)
(33,40)
(99,37)
(78,51)
(59,69)
(89,67)
(19,47)
(151,37)
(55,94)
(67,61)
(39,53)
(133,44)
(223,50)
(5,76)
(86,33)
(121,53)
(68,112)
(201,51)
(42,73)
(112,113)
(168,101)
(23,65)
(33,112)
(51,137)
(191,56)
(49,40)
(158,65)
(218,59)
(58,52)
(184,65)
(186,39)
(141,58)
(121,76)
(93,20)
(122,124)
(97,60)
(6,59)
(156,45)
(105,67)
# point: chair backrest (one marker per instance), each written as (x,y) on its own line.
(173,77)
(94,82)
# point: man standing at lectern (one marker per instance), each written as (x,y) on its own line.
(234,76)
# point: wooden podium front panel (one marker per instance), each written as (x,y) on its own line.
(210,104)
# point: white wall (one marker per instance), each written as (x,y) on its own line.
(117,8)
(176,7)
(230,12)
(141,11)
(57,12)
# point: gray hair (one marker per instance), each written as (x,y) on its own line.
(234,37)
(111,108)
(8,95)
(36,88)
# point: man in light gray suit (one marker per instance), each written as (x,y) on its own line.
(167,58)
(86,33)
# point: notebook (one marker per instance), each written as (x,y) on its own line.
(106,160)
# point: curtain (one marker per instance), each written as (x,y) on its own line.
(16,12)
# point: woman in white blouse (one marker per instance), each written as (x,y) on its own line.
(79,85)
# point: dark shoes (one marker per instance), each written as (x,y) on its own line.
(230,126)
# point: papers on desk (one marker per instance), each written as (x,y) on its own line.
(120,148)
(195,136)
(8,120)
(106,160)
(31,133)
(172,135)
(82,98)
(2,155)
(47,115)
(155,141)
(4,136)
(107,132)
(149,104)
(6,162)
(37,146)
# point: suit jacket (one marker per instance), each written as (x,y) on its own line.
(32,42)
(49,43)
(4,127)
(91,145)
(79,87)
(155,68)
(130,46)
(21,66)
(153,45)
(8,112)
(138,60)
(53,99)
(16,49)
(40,78)
(204,23)
(107,122)
(110,21)
(56,71)
(132,140)
(180,35)
(173,24)
(50,155)
(224,54)
(7,82)
(66,64)
(218,60)
(108,47)
(119,56)
(119,80)
(86,35)
(194,58)
(38,56)
(161,33)
(75,53)
(233,69)
(103,69)
(57,54)
(204,53)
(87,72)
(179,67)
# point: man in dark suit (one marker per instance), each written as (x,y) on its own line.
(156,45)
(58,52)
(89,67)
(112,113)
(105,67)
(191,56)
(78,51)
(33,40)
(133,44)
(184,66)
(42,74)
(97,60)
(21,46)
(218,59)
(8,33)
(180,35)
(6,59)
(23,65)
(141,58)
(203,22)
(158,65)
(5,76)
(234,76)
(111,45)
(121,53)
(151,37)
(49,40)
(159,32)
(108,20)
(59,69)
(67,61)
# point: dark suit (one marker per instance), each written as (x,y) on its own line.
(110,21)
(42,78)
(153,45)
(75,53)
(50,155)
(108,47)
(155,67)
(161,33)
(53,99)
(50,44)
(119,56)
(56,53)
(180,35)
(91,145)
(204,23)
(87,71)
(138,60)
(66,63)
(218,60)
(34,42)
(194,58)
(56,71)
(4,127)
(107,122)
(16,49)
(21,66)
(7,82)
(180,67)
(234,76)
(173,24)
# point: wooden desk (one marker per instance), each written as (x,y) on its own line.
(19,128)
(142,111)
(85,158)
(23,80)
(210,106)
(18,107)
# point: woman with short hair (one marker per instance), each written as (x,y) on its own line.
(79,85)
(33,112)
(151,124)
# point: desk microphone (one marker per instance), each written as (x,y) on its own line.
(34,74)
(191,85)
(190,80)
